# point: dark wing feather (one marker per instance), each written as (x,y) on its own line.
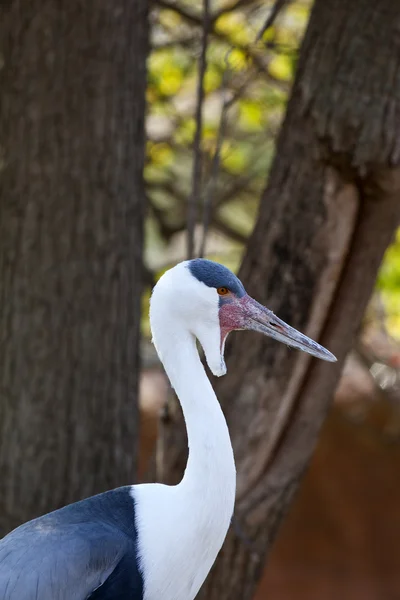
(123,583)
(40,561)
(85,550)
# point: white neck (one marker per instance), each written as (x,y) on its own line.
(194,516)
(210,467)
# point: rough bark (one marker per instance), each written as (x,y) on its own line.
(329,211)
(71,210)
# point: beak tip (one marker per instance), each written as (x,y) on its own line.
(329,357)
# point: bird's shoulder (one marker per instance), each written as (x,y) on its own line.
(72,552)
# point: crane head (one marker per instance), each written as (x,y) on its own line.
(207,300)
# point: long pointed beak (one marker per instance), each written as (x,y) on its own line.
(259,318)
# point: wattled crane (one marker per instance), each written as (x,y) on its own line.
(152,541)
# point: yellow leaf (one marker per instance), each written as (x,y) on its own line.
(185,133)
(281,67)
(212,80)
(250,115)
(269,34)
(157,61)
(233,158)
(237,60)
(160,154)
(234,25)
(170,80)
(228,22)
(169,18)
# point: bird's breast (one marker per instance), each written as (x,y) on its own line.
(179,538)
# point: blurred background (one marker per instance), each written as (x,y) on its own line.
(219,78)
(342,536)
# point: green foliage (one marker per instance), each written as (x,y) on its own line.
(259,76)
(256,75)
(388,285)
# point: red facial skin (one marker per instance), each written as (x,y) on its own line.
(232,314)
(239,313)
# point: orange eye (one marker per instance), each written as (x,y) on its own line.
(222,291)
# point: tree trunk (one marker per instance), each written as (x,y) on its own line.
(71,214)
(329,212)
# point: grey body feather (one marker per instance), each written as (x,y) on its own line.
(70,553)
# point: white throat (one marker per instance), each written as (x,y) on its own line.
(195,515)
(210,467)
